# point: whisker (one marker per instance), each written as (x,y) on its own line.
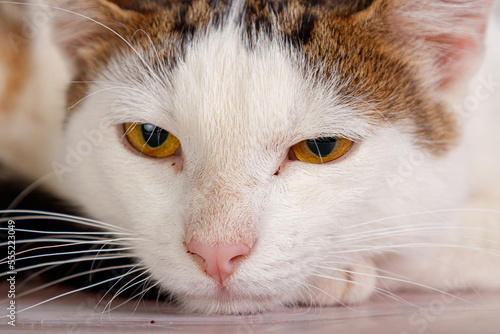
(363,265)
(73,291)
(151,44)
(415,245)
(126,287)
(420,213)
(399,280)
(144,292)
(76,233)
(405,232)
(310,286)
(76,260)
(70,242)
(133,297)
(69,277)
(306,289)
(403,277)
(423,227)
(109,250)
(375,288)
(70,218)
(102,249)
(132,270)
(51,267)
(129,284)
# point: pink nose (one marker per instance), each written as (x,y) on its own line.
(218,261)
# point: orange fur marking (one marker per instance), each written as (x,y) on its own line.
(15,60)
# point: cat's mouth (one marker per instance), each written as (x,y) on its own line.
(235,296)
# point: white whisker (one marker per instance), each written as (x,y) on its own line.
(76,260)
(110,250)
(348,281)
(126,287)
(312,287)
(73,291)
(69,242)
(134,296)
(132,270)
(77,220)
(72,233)
(395,279)
(153,46)
(414,245)
(143,293)
(419,214)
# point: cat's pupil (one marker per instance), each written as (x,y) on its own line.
(322,146)
(154,135)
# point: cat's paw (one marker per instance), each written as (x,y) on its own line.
(347,286)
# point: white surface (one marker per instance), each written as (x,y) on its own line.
(420,313)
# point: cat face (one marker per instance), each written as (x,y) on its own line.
(239,93)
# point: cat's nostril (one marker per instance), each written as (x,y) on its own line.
(218,261)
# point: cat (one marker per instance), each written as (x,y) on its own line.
(263,154)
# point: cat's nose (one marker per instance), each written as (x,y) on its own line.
(218,261)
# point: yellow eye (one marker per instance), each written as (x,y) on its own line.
(151,140)
(321,150)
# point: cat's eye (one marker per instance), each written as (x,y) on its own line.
(321,150)
(151,140)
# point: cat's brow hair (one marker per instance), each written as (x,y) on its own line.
(17,56)
(350,39)
(380,72)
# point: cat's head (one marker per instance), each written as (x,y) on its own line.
(233,207)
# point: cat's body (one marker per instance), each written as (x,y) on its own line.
(233,221)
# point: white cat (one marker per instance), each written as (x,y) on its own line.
(272,153)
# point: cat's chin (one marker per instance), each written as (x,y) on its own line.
(326,296)
(353,286)
(225,304)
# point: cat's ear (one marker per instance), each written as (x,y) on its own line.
(81,28)
(447,34)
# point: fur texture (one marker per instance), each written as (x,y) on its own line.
(239,83)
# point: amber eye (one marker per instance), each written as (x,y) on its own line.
(151,140)
(321,150)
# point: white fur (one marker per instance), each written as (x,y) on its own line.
(320,233)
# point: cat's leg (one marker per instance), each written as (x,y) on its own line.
(345,286)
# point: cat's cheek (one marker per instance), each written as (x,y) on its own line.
(114,184)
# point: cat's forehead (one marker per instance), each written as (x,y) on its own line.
(344,43)
(224,91)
